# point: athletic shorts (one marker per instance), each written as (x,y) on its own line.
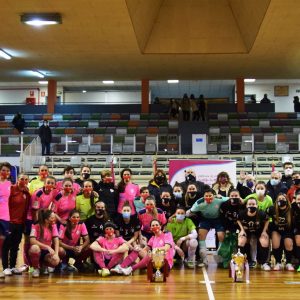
(210,224)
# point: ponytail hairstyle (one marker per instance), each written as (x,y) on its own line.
(121,186)
(43,215)
(68,232)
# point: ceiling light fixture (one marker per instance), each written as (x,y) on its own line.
(38,73)
(249,80)
(108,82)
(41,19)
(43,82)
(173,81)
(84,91)
(4,54)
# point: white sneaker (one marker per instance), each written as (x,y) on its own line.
(36,273)
(19,270)
(289,267)
(127,271)
(266,267)
(51,270)
(7,272)
(45,271)
(277,267)
(116,270)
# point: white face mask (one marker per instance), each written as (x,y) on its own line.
(260,192)
(288,172)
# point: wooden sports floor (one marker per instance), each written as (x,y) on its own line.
(183,283)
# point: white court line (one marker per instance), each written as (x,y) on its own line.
(93,281)
(208,285)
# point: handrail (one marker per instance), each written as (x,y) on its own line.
(31,155)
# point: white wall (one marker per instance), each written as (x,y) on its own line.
(282,104)
(17,96)
(108,97)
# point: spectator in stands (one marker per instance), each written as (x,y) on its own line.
(246,184)
(195,108)
(223,185)
(293,190)
(265,99)
(45,135)
(296,104)
(191,177)
(275,186)
(19,122)
(185,106)
(174,109)
(108,193)
(202,107)
(288,168)
(158,184)
(252,99)
(85,173)
(264,201)
(127,190)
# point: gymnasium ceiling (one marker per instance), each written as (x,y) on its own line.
(154,39)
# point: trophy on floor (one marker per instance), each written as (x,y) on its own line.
(157,268)
(239,267)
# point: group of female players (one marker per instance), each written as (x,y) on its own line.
(81,225)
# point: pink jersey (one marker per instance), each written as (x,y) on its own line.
(4,196)
(130,193)
(112,244)
(64,204)
(40,200)
(160,241)
(146,218)
(76,187)
(78,231)
(49,233)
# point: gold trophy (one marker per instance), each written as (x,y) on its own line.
(239,267)
(158,257)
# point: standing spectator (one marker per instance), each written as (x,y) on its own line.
(288,168)
(185,106)
(19,122)
(296,104)
(252,99)
(174,109)
(195,109)
(275,186)
(202,107)
(45,135)
(265,99)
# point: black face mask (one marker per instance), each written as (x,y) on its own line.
(281,203)
(99,212)
(159,179)
(296,181)
(190,177)
(166,200)
(192,194)
(235,201)
(85,176)
(298,204)
(252,209)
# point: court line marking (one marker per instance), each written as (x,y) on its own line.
(93,281)
(208,285)
(292,282)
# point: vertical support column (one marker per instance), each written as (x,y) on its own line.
(240,94)
(52,91)
(145,96)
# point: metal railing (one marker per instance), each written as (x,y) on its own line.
(31,155)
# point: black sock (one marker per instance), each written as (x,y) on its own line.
(288,256)
(277,255)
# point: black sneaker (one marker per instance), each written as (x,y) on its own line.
(252,264)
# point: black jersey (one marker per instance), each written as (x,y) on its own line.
(296,215)
(253,224)
(127,230)
(95,227)
(280,223)
(229,215)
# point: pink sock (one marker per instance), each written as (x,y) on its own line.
(142,264)
(116,258)
(25,254)
(99,259)
(35,259)
(130,259)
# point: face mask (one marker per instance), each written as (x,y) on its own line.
(296,181)
(99,211)
(155,229)
(126,177)
(281,203)
(166,200)
(288,172)
(87,190)
(250,184)
(252,209)
(235,201)
(107,180)
(44,174)
(192,194)
(109,232)
(159,179)
(49,187)
(178,195)
(126,215)
(149,208)
(274,181)
(223,180)
(260,192)
(86,175)
(298,204)
(74,221)
(180,217)
(190,177)
(208,200)
(68,189)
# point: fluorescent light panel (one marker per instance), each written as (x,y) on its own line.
(4,54)
(173,81)
(38,73)
(43,82)
(249,80)
(108,82)
(41,19)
